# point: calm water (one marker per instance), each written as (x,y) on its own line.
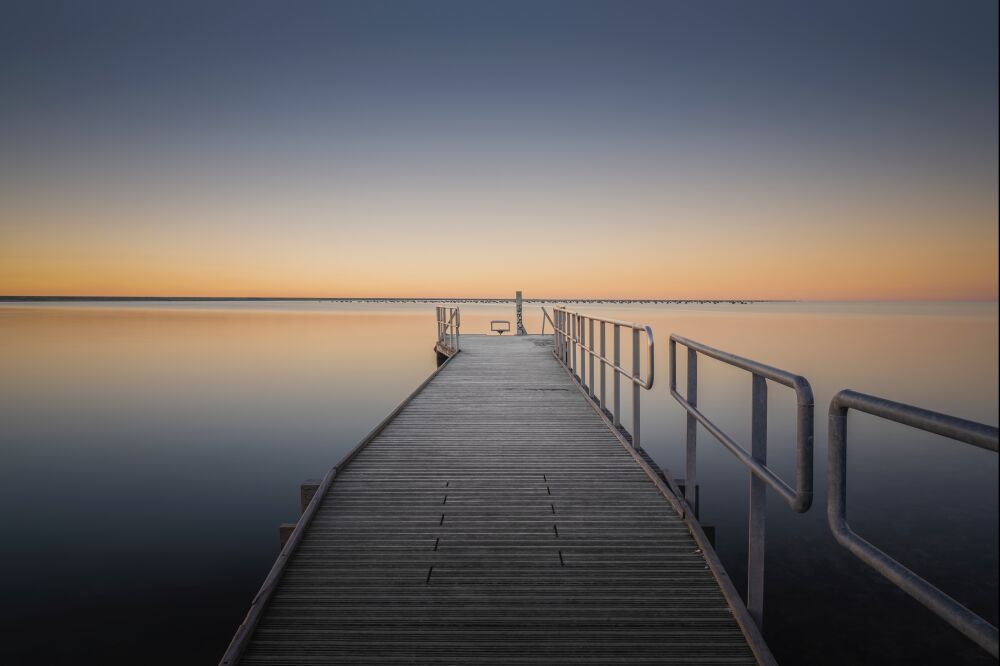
(150,451)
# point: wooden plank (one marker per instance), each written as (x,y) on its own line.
(496,519)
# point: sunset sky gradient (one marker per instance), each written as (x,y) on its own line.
(820,150)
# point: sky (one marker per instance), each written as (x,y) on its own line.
(787,150)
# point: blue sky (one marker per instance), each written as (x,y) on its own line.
(373,124)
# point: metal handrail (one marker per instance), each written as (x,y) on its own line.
(574,336)
(449,321)
(799,499)
(969,432)
(545,315)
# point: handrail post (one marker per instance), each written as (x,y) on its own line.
(576,343)
(691,462)
(618,376)
(578,350)
(556,335)
(590,342)
(603,366)
(564,325)
(561,337)
(573,341)
(570,335)
(635,389)
(758,503)
(564,337)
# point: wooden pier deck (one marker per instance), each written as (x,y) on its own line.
(495,519)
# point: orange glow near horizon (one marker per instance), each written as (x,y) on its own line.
(548,248)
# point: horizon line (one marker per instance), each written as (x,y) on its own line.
(370,298)
(13,298)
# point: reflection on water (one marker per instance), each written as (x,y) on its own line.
(150,451)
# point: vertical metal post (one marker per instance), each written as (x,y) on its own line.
(556,316)
(603,367)
(617,413)
(556,336)
(562,336)
(691,464)
(565,340)
(565,337)
(590,340)
(581,360)
(635,389)
(580,368)
(573,343)
(758,504)
(571,329)
(458,328)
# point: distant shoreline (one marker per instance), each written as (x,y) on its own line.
(257,299)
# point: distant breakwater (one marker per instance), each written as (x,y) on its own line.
(487,301)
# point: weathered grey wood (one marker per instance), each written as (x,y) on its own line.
(306,492)
(284,531)
(496,519)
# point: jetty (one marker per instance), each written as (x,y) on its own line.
(502,514)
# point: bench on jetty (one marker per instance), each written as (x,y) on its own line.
(502,515)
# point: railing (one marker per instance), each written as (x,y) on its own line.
(574,347)
(545,316)
(449,320)
(799,498)
(574,336)
(970,432)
